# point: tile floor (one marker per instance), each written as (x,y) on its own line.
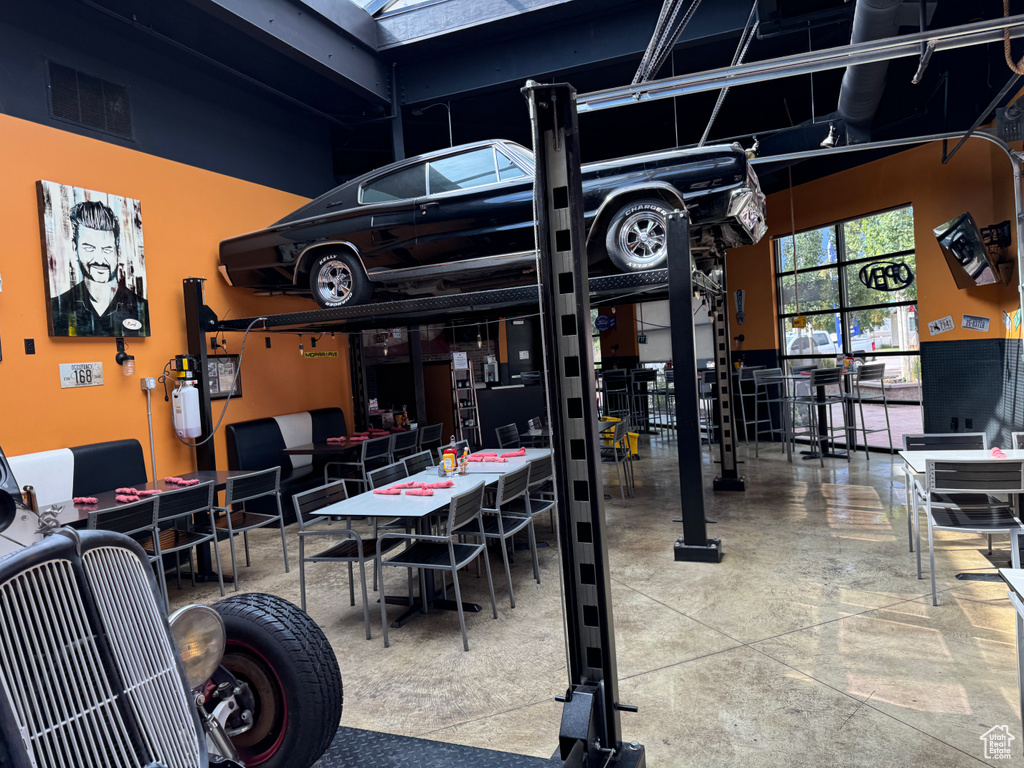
(811,644)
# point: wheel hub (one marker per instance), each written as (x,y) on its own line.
(334,281)
(642,236)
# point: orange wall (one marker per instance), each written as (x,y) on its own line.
(978,179)
(186,211)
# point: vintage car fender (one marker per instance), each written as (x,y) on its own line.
(611,203)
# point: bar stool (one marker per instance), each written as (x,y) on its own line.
(640,393)
(818,381)
(769,391)
(616,394)
(745,374)
(869,373)
(706,391)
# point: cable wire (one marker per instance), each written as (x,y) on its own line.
(749,30)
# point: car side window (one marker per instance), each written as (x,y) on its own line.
(507,169)
(401,185)
(465,171)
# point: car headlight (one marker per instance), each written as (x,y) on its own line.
(747,207)
(198,633)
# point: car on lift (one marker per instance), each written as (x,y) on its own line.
(463,217)
(94,673)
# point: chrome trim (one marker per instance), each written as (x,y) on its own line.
(384,275)
(640,187)
(308,248)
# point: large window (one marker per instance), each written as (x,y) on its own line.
(851,288)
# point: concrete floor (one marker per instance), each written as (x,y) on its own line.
(811,644)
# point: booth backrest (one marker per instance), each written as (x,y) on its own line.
(83,470)
(259,444)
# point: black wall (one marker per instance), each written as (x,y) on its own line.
(973,386)
(182,108)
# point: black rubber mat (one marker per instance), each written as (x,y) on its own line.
(370,749)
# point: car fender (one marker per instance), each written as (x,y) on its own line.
(611,203)
(309,253)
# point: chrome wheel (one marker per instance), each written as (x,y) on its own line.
(641,237)
(334,282)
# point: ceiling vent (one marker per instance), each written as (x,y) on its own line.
(89,101)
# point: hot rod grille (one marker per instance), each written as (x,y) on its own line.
(91,680)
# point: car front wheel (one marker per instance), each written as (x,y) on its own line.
(636,238)
(338,280)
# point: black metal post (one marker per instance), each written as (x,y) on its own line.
(357,371)
(416,358)
(206,457)
(591,728)
(730,479)
(694,544)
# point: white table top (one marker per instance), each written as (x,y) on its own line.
(371,504)
(1014,577)
(917,460)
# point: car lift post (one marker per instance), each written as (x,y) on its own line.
(730,479)
(591,732)
(694,545)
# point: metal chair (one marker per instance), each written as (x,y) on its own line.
(739,378)
(1018,440)
(641,391)
(502,522)
(181,507)
(460,445)
(386,475)
(769,392)
(957,441)
(237,520)
(948,479)
(616,393)
(375,454)
(508,436)
(542,488)
(818,381)
(137,520)
(619,453)
(872,372)
(442,551)
(429,438)
(404,444)
(706,389)
(418,462)
(352,549)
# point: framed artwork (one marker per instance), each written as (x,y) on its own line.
(220,372)
(94,262)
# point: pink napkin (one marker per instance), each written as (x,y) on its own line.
(387,491)
(485,453)
(408,484)
(175,481)
(85,500)
(378,432)
(124,497)
(360,434)
(998,454)
(128,491)
(520,452)
(336,439)
(399,429)
(443,484)
(148,493)
(419,492)
(474,458)
(494,459)
(355,439)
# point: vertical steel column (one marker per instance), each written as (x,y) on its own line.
(591,729)
(694,544)
(730,479)
(358,373)
(416,358)
(206,457)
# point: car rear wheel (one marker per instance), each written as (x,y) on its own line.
(636,238)
(338,280)
(292,674)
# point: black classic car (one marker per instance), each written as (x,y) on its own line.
(464,216)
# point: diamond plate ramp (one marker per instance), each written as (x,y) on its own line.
(370,749)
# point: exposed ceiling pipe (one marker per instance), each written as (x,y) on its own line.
(863,84)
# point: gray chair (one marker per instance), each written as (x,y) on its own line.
(616,393)
(742,380)
(502,522)
(404,444)
(418,462)
(769,398)
(181,508)
(458,542)
(374,454)
(706,383)
(950,479)
(234,519)
(429,438)
(392,473)
(542,488)
(352,549)
(1018,440)
(136,520)
(460,446)
(954,441)
(508,436)
(868,377)
(821,436)
(618,453)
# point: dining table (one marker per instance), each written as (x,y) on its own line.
(1014,578)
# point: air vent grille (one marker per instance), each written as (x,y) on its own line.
(89,101)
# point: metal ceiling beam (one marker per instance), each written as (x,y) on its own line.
(550,50)
(354,21)
(978,33)
(307,38)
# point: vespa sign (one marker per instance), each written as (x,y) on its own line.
(886,275)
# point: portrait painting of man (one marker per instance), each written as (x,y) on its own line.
(94,262)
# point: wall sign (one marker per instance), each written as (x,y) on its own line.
(740,315)
(886,275)
(943,324)
(975,323)
(604,322)
(641,338)
(220,372)
(321,354)
(74,375)
(459,361)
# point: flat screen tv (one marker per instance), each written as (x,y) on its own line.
(968,258)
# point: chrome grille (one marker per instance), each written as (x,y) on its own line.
(53,677)
(144,655)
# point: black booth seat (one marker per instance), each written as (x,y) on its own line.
(259,444)
(102,467)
